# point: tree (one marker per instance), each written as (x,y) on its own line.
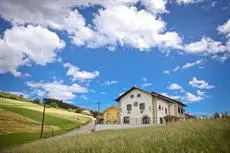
(37,101)
(216,115)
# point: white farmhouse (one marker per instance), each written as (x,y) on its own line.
(138,106)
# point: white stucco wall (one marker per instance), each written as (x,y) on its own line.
(136,115)
(100,127)
(161,113)
(172,109)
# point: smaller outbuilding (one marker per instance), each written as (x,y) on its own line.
(111,115)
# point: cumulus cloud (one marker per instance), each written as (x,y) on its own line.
(117,26)
(201,84)
(189,97)
(185,66)
(114,25)
(188,1)
(166,71)
(174,86)
(155,6)
(31,44)
(205,45)
(146,83)
(186,96)
(109,83)
(225,28)
(220,51)
(192,64)
(56,89)
(79,75)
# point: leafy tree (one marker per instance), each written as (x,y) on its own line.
(37,101)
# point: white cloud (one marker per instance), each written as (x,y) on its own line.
(200,93)
(108,83)
(192,64)
(146,83)
(205,45)
(57,89)
(225,28)
(114,25)
(37,12)
(166,71)
(213,4)
(201,84)
(23,45)
(189,97)
(221,58)
(176,68)
(79,75)
(188,1)
(186,97)
(117,26)
(27,75)
(185,66)
(174,86)
(176,97)
(155,6)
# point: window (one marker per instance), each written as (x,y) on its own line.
(108,122)
(159,107)
(145,120)
(182,110)
(135,104)
(126,120)
(138,95)
(161,120)
(129,107)
(131,96)
(108,115)
(179,110)
(166,111)
(142,106)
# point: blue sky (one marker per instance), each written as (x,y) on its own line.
(93,51)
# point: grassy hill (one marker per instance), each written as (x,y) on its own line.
(13,96)
(208,136)
(20,121)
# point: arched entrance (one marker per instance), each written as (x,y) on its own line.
(145,120)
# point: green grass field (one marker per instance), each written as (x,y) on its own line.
(208,136)
(20,122)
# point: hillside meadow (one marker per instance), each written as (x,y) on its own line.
(206,136)
(20,122)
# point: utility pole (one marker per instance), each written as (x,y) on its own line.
(98,115)
(43,117)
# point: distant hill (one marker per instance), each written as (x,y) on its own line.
(13,96)
(55,103)
(60,104)
(20,121)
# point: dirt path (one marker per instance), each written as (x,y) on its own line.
(86,129)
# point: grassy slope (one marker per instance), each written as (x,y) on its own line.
(64,123)
(12,96)
(61,113)
(190,137)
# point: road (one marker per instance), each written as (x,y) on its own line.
(86,129)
